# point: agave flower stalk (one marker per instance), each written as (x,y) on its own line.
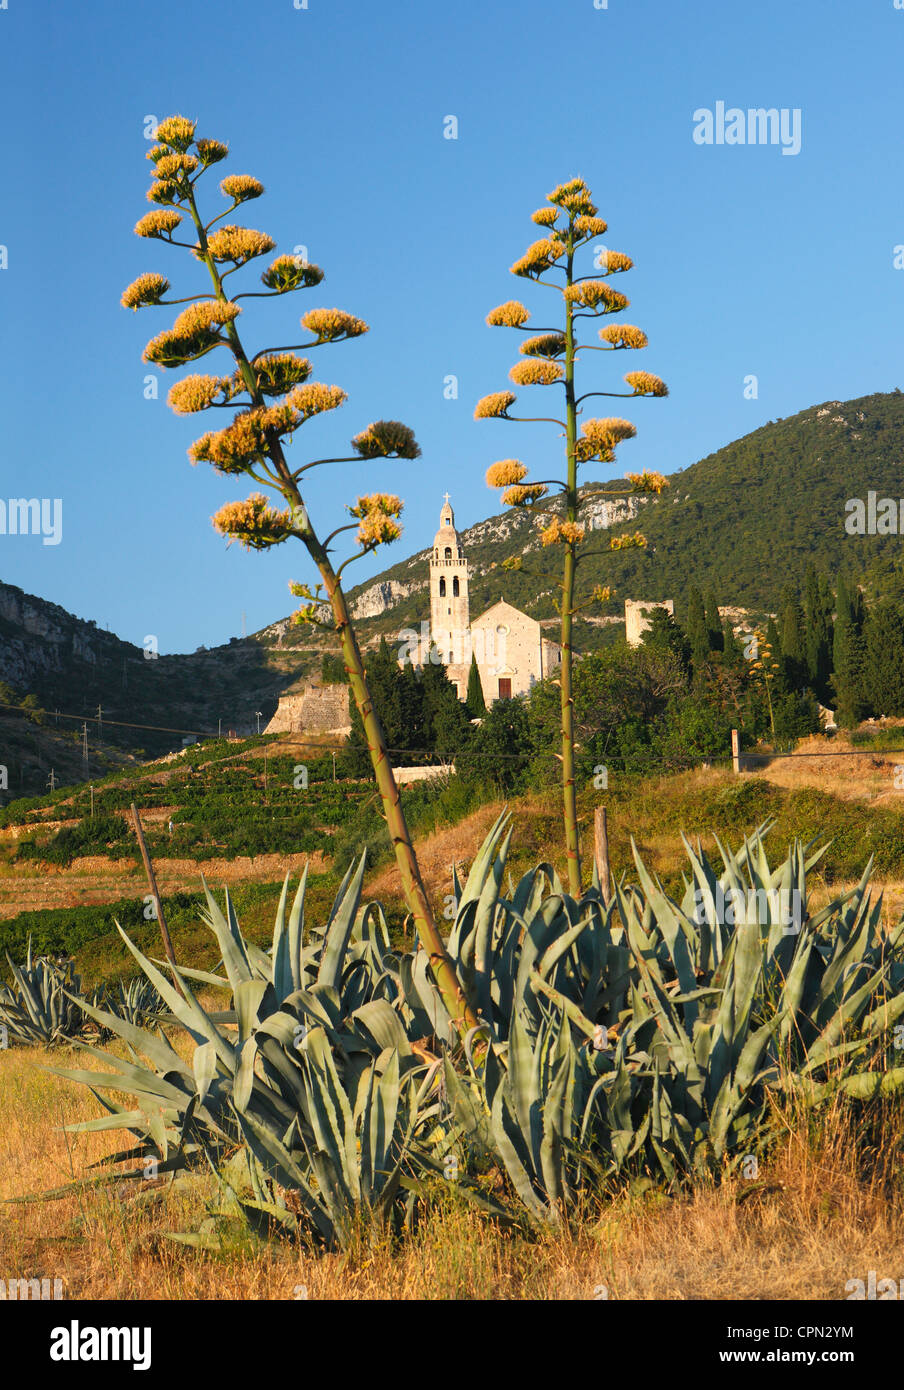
(272,396)
(549,358)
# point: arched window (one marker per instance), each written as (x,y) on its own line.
(442,588)
(455,587)
(448,552)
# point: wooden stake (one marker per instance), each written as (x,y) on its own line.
(601,852)
(152,884)
(735,751)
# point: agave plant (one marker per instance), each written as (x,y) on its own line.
(311,1069)
(644,1033)
(728,1005)
(710,1007)
(42,1005)
(136,1000)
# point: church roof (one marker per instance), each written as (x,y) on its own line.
(501,609)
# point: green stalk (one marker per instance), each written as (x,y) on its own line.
(569,794)
(413,888)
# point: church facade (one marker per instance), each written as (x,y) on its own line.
(511,652)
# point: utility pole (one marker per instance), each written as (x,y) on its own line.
(219,728)
(52,780)
(334,764)
(258,716)
(85,745)
(100,723)
(92,800)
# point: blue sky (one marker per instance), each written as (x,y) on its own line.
(747,261)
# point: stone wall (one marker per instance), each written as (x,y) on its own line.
(635,622)
(317,709)
(404,775)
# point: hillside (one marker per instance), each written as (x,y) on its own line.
(742,522)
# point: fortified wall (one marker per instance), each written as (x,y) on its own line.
(635,622)
(315,709)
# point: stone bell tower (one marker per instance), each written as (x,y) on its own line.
(450,613)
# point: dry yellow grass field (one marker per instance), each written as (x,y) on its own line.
(812,1220)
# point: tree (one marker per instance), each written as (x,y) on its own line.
(548,360)
(884,659)
(818,606)
(273,397)
(848,655)
(446,726)
(332,671)
(475,704)
(499,754)
(696,629)
(664,634)
(713,623)
(793,650)
(733,654)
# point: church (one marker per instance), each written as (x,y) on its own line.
(511,652)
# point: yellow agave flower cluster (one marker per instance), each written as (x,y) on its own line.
(196,330)
(560,532)
(245,441)
(538,257)
(544,345)
(330,325)
(236,244)
(765,664)
(289,273)
(508,474)
(595,295)
(648,482)
(601,437)
(536,373)
(511,314)
(637,541)
(147,289)
(254,523)
(386,439)
(377,514)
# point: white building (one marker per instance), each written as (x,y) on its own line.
(511,652)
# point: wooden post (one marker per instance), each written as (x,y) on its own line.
(152,884)
(601,852)
(735,751)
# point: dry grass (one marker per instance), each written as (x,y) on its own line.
(867,777)
(811,1222)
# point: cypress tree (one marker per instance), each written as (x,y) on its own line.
(713,624)
(664,634)
(793,653)
(848,655)
(818,605)
(884,659)
(475,704)
(695,627)
(733,655)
